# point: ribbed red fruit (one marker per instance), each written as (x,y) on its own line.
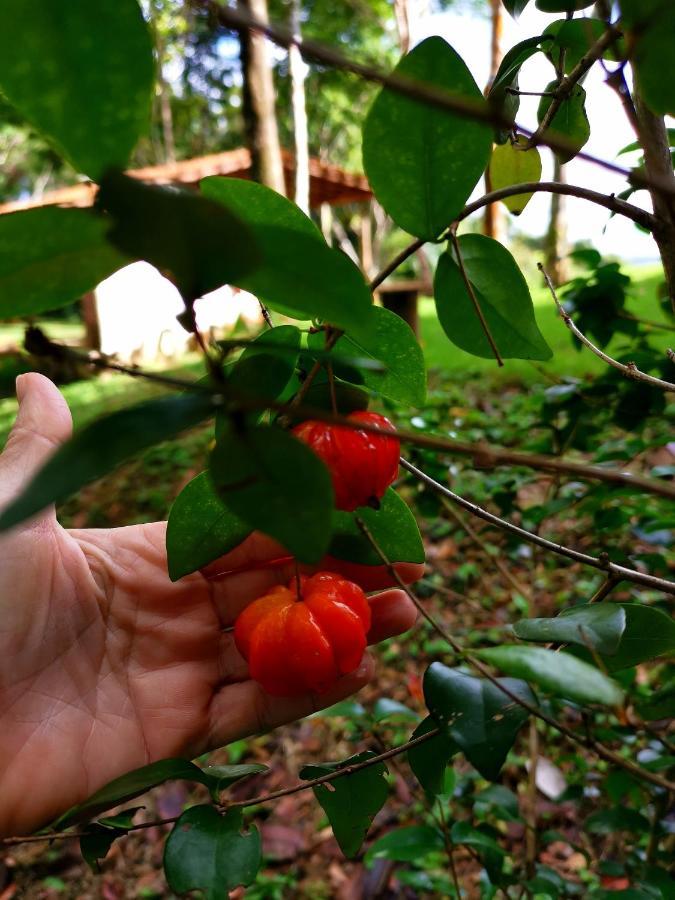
(362,464)
(295,645)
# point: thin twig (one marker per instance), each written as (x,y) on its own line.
(237,19)
(628,370)
(474,299)
(449,848)
(396,262)
(569,82)
(586,741)
(621,573)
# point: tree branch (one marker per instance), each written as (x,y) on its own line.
(629,370)
(569,82)
(587,741)
(603,563)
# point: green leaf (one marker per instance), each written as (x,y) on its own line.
(481,719)
(636,145)
(299,276)
(515,7)
(101,446)
(208,850)
(267,365)
(649,633)
(570,122)
(50,257)
(559,673)
(599,627)
(393,526)
(350,802)
(219,778)
(195,241)
(386,709)
(651,27)
(276,484)
(660,704)
(509,166)
(500,95)
(131,785)
(430,759)
(122,820)
(391,342)
(464,833)
(406,844)
(617,819)
(423,161)
(503,296)
(82,74)
(96,845)
(574,38)
(200,528)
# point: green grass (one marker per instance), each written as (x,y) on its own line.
(441,354)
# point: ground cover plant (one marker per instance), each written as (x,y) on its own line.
(540,672)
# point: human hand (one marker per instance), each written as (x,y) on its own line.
(105,665)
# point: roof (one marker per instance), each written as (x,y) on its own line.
(328,184)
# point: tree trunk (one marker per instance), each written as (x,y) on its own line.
(658,165)
(259,102)
(163,92)
(89,313)
(298,72)
(493,217)
(555,242)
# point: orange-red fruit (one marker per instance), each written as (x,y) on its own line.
(362,464)
(297,645)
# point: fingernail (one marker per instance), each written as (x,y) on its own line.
(20,387)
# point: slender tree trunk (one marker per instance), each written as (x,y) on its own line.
(493,217)
(658,165)
(555,242)
(259,102)
(298,72)
(163,91)
(402,14)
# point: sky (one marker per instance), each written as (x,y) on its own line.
(610,131)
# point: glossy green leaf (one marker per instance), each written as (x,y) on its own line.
(82,74)
(391,342)
(574,38)
(651,24)
(515,7)
(617,819)
(266,365)
(299,275)
(480,718)
(209,851)
(200,528)
(509,166)
(503,296)
(350,802)
(660,704)
(386,709)
(101,446)
(96,845)
(464,833)
(195,241)
(406,844)
(122,820)
(131,785)
(277,485)
(423,161)
(505,82)
(430,759)
(570,122)
(598,627)
(50,257)
(393,526)
(220,778)
(559,673)
(649,633)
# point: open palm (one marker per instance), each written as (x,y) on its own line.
(105,665)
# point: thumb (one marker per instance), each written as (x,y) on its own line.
(42,424)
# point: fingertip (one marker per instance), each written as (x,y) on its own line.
(393,613)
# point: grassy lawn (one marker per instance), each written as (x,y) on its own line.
(90,399)
(567,359)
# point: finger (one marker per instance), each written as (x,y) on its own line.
(42,424)
(374,578)
(240,710)
(393,613)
